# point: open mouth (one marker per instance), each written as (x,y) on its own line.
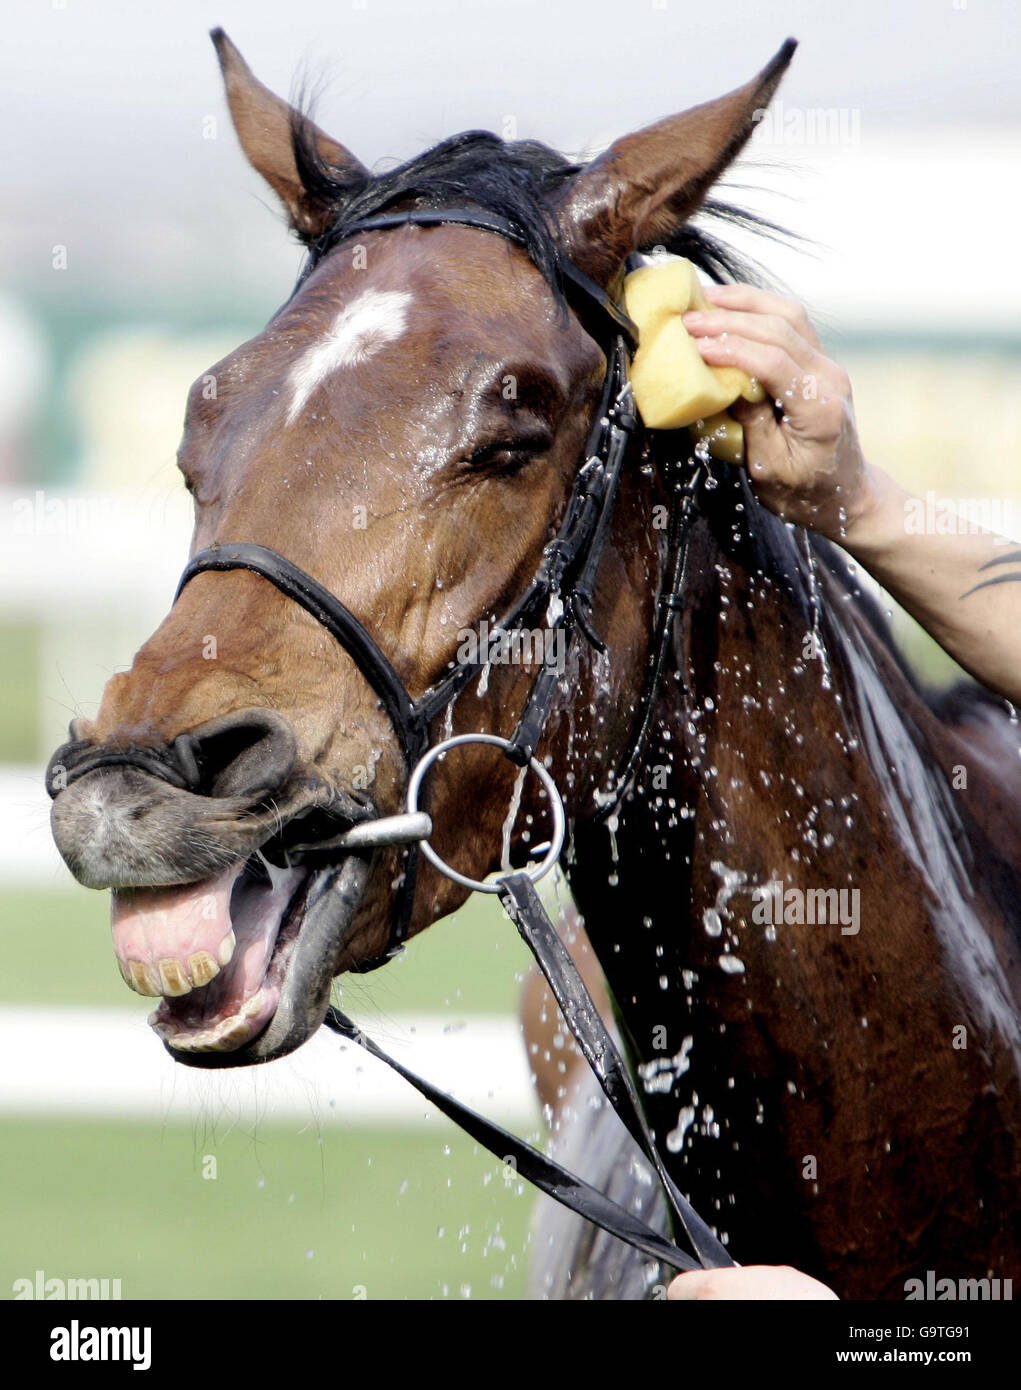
(243,961)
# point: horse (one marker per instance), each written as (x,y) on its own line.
(835,1090)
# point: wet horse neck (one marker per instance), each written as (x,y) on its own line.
(789,923)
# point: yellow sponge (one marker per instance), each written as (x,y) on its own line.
(674,388)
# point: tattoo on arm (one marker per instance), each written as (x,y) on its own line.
(1013,557)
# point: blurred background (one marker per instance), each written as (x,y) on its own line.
(138,248)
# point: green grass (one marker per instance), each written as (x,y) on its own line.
(114,1199)
(56,949)
(414,1213)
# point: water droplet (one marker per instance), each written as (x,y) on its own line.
(675,1139)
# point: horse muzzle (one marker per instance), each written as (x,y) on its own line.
(233,911)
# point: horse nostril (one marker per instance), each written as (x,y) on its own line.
(248,753)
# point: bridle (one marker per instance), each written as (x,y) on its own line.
(566,575)
(564,586)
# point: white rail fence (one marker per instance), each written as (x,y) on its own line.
(93,574)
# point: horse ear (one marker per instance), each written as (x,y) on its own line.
(644,185)
(265,126)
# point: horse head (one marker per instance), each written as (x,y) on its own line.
(407,429)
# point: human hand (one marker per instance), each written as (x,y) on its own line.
(747,1282)
(807,467)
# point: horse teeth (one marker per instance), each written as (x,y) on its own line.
(231,1034)
(202,967)
(227,948)
(173,979)
(226,1036)
(143,979)
(254,1005)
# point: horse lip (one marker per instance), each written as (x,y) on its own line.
(330,908)
(214,826)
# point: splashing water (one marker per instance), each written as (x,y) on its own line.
(613,825)
(660,1074)
(675,1139)
(512,815)
(818,647)
(731,880)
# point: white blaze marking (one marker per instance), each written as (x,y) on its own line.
(361,328)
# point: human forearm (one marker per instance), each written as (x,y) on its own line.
(940,580)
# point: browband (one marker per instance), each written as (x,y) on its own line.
(589,300)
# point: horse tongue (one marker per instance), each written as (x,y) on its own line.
(170,940)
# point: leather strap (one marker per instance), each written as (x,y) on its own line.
(589,300)
(535,1167)
(156,763)
(524,907)
(682,501)
(339,621)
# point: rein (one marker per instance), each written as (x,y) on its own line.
(565,584)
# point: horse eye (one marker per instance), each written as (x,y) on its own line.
(509,454)
(189,481)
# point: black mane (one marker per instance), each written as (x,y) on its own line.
(514,179)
